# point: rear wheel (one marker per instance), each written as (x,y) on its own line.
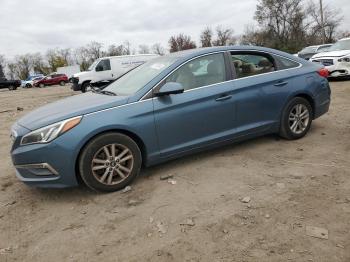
(41,85)
(296,119)
(12,87)
(28,85)
(110,162)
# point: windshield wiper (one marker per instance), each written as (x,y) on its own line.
(105,92)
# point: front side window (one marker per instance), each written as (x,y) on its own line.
(202,71)
(251,64)
(103,65)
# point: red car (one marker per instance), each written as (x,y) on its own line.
(54,79)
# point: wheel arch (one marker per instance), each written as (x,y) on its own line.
(128,133)
(310,99)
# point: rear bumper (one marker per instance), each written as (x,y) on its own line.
(322,109)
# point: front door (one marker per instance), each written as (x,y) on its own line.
(203,114)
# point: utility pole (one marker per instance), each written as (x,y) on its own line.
(322,23)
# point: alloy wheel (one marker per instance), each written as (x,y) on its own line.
(299,118)
(112,164)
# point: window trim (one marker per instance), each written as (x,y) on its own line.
(149,94)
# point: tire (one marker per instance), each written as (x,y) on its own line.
(41,85)
(62,83)
(12,88)
(84,87)
(110,173)
(296,119)
(28,85)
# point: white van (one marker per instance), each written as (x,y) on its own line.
(108,69)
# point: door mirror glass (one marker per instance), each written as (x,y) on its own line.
(169,89)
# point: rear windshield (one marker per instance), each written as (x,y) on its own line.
(341,45)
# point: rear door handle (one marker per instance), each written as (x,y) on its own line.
(223,97)
(281,83)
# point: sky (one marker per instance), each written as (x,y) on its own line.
(28,26)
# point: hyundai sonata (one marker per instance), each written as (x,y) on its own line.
(171,106)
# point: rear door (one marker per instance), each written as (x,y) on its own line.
(204,113)
(260,90)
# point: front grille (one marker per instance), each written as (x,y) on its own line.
(325,62)
(75,80)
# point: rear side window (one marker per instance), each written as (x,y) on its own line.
(251,64)
(285,63)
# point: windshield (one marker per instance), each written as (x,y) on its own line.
(340,45)
(133,81)
(93,65)
(309,49)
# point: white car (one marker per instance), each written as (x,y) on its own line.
(337,59)
(108,69)
(28,83)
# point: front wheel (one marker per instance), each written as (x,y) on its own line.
(41,85)
(110,162)
(296,119)
(12,88)
(62,83)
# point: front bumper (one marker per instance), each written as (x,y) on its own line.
(335,68)
(75,84)
(50,165)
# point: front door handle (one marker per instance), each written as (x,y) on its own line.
(223,97)
(281,83)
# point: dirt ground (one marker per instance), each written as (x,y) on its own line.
(291,185)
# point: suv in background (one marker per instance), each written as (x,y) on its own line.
(53,79)
(307,52)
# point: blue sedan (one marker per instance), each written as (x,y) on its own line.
(169,107)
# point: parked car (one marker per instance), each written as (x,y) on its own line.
(54,79)
(309,51)
(10,84)
(69,71)
(28,83)
(174,105)
(337,59)
(108,69)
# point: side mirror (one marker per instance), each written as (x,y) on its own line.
(99,68)
(170,88)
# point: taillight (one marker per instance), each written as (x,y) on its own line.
(323,72)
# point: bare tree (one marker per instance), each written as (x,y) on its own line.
(2,66)
(82,58)
(206,37)
(94,50)
(224,36)
(24,65)
(55,59)
(181,42)
(39,65)
(114,50)
(144,49)
(127,46)
(158,49)
(12,69)
(323,29)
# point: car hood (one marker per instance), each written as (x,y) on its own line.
(80,74)
(332,54)
(69,107)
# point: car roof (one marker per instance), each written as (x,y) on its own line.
(186,54)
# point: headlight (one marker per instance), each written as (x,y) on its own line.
(49,133)
(344,59)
